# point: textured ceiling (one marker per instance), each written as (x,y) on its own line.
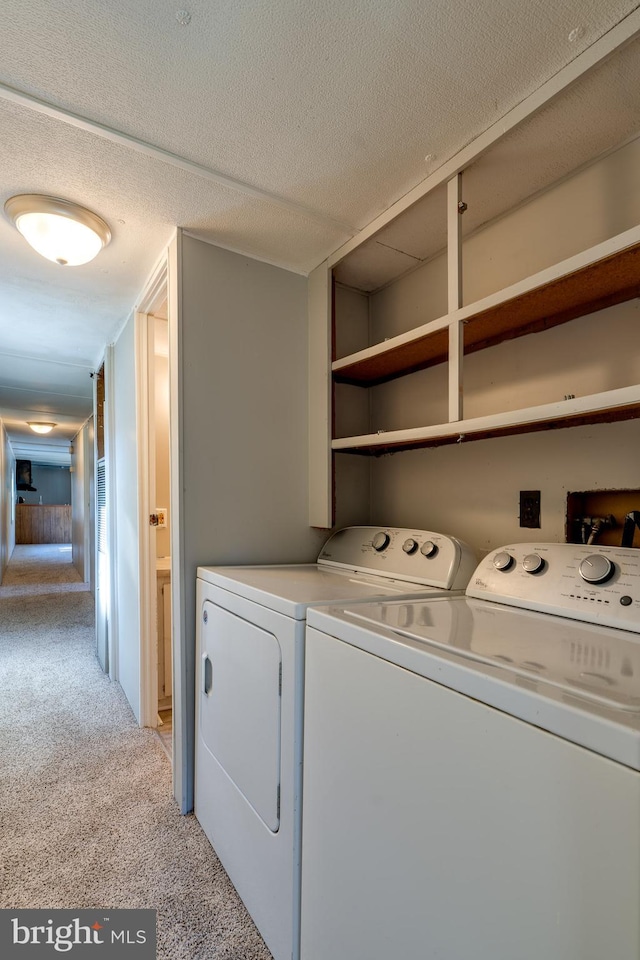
(272,127)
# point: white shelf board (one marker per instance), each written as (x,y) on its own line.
(613,400)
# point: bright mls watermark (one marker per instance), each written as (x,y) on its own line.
(81,934)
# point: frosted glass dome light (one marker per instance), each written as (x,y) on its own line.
(57,229)
(41,427)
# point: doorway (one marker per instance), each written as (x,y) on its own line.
(160,520)
(160,514)
(154,489)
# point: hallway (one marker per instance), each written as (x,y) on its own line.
(87,812)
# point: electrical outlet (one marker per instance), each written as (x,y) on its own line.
(529,508)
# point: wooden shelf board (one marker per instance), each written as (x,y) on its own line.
(595,286)
(484,428)
(530,306)
(397,360)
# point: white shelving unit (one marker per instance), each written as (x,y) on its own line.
(605,274)
(602,276)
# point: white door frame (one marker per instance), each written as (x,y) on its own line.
(183,723)
(163,284)
(153,296)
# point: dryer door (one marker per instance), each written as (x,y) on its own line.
(240,697)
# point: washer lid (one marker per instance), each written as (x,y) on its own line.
(578,680)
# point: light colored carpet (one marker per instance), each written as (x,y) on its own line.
(41,568)
(88,818)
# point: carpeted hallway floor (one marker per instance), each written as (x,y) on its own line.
(86,810)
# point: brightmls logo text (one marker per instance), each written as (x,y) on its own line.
(104,934)
(61,938)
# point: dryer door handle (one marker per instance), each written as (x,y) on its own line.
(207,674)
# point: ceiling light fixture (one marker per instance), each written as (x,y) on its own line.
(59,230)
(41,427)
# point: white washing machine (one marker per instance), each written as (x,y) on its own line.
(471,782)
(250,698)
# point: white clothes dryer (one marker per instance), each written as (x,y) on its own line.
(248,769)
(472,766)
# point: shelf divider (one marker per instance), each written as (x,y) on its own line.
(455,210)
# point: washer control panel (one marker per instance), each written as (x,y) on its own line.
(591,583)
(416,556)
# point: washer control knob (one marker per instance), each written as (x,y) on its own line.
(380,541)
(533,563)
(410,545)
(503,560)
(596,568)
(428,549)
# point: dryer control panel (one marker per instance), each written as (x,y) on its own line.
(402,553)
(596,584)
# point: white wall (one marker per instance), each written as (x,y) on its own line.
(124,500)
(7,500)
(352,410)
(244,375)
(53,484)
(472,489)
(244,337)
